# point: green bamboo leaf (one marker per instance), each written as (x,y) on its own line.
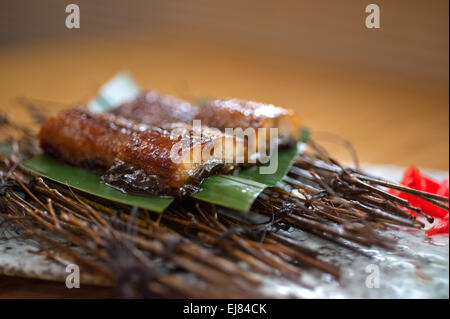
(285,159)
(240,191)
(82,180)
(230,191)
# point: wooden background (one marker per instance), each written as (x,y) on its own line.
(384,90)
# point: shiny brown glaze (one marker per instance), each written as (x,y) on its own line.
(156,109)
(232,113)
(78,136)
(235,113)
(137,157)
(161,110)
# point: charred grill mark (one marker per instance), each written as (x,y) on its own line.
(126,178)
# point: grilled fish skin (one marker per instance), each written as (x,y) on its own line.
(161,110)
(81,138)
(235,113)
(156,109)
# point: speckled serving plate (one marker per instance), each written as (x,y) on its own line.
(418,269)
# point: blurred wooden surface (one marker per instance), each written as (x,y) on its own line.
(390,116)
(413,37)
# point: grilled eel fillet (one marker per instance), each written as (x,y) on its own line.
(234,113)
(138,157)
(158,109)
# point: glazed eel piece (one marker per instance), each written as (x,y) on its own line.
(235,113)
(137,157)
(156,109)
(160,110)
